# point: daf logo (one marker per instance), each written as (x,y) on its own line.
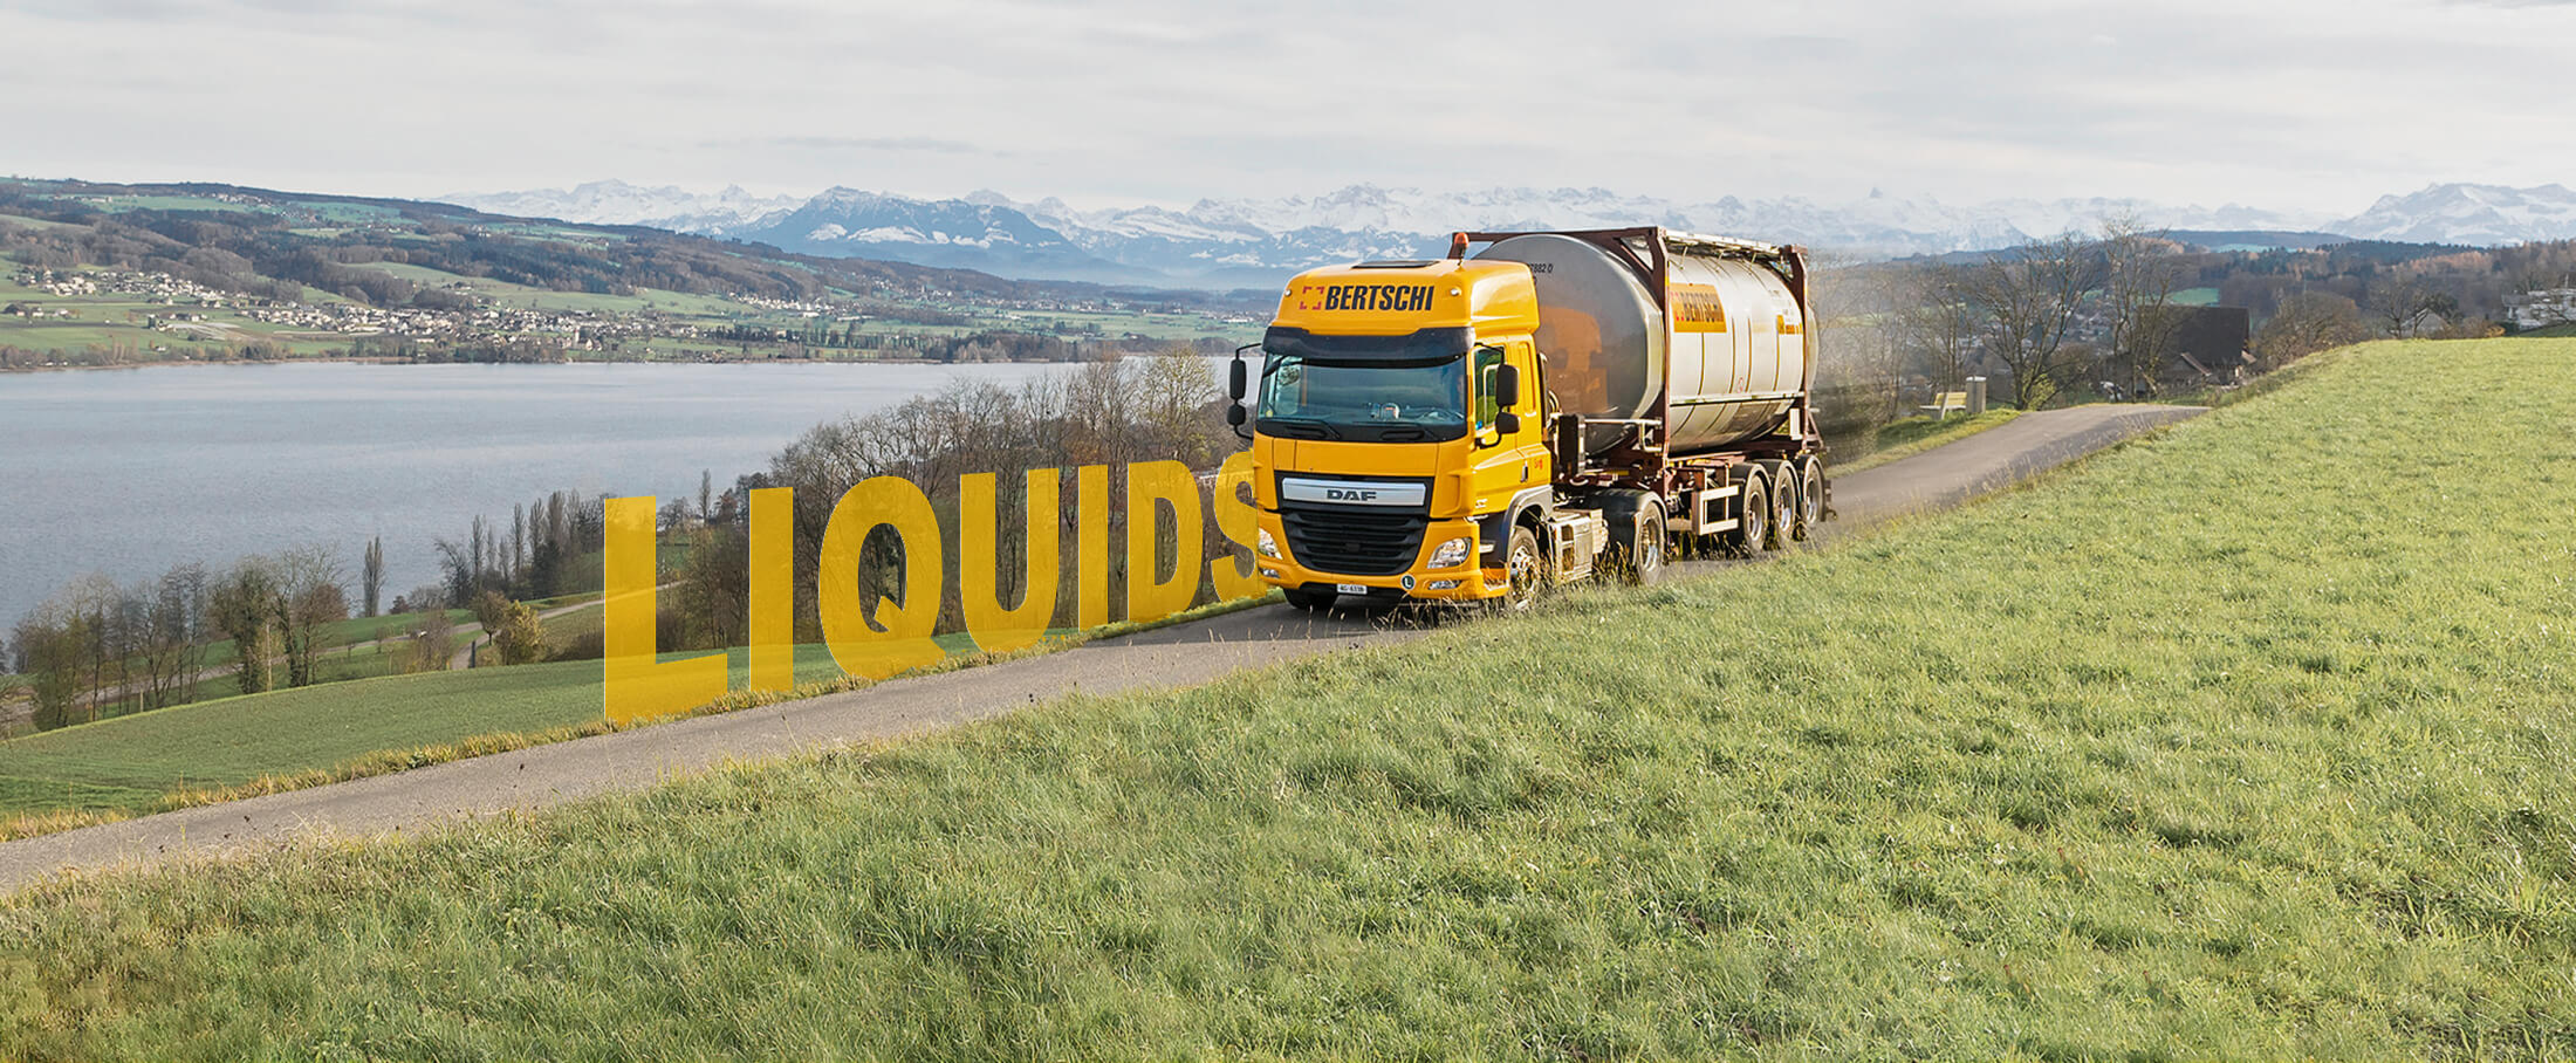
(1352,492)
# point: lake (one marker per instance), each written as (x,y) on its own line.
(128,472)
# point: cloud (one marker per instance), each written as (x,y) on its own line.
(855,144)
(2289,104)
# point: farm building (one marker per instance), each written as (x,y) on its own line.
(2205,346)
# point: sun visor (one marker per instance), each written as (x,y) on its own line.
(1411,346)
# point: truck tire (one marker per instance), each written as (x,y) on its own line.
(1784,505)
(1752,529)
(1639,542)
(1310,601)
(1811,496)
(1793,503)
(1528,568)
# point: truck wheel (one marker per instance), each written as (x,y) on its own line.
(1784,507)
(1811,496)
(1793,503)
(1310,601)
(1753,514)
(1528,570)
(1638,547)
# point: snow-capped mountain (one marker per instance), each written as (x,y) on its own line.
(1214,237)
(618,203)
(1253,242)
(2469,214)
(849,223)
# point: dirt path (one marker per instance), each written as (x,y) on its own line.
(1181,655)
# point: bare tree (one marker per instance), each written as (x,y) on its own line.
(2308,322)
(171,639)
(308,596)
(1861,356)
(2028,297)
(2403,302)
(430,645)
(2139,276)
(242,606)
(1938,323)
(51,646)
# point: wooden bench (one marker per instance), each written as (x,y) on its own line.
(1944,403)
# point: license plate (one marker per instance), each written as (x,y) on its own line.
(1350,588)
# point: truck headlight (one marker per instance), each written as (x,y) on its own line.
(1450,554)
(1269,547)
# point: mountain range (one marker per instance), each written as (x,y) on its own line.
(1253,242)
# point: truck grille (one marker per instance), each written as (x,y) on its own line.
(1352,541)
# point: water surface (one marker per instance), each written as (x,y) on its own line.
(127,472)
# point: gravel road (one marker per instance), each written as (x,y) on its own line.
(1181,655)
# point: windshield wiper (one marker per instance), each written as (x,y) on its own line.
(1322,429)
(1392,432)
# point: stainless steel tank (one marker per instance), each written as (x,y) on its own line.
(1732,348)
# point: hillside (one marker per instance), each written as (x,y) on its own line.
(2247,740)
(95,273)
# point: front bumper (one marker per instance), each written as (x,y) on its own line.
(1464,581)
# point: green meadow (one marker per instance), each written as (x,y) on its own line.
(2248,739)
(359,718)
(127,765)
(523,297)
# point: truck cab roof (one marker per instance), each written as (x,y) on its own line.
(1395,298)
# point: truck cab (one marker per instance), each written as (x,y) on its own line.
(1398,428)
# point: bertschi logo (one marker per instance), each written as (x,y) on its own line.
(1395,297)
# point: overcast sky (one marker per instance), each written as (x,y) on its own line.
(2299,105)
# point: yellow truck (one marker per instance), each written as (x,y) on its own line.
(1559,405)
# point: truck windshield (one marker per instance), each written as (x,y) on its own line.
(1310,397)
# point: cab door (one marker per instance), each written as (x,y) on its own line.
(1506,463)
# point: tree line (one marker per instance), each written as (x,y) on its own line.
(100,648)
(2087,316)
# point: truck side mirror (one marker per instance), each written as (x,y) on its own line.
(1235,379)
(1234,414)
(1507,422)
(1507,387)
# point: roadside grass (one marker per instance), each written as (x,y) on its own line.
(207,752)
(2250,739)
(1914,435)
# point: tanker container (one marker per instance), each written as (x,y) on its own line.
(1728,343)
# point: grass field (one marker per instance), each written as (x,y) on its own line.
(527,298)
(2248,740)
(126,765)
